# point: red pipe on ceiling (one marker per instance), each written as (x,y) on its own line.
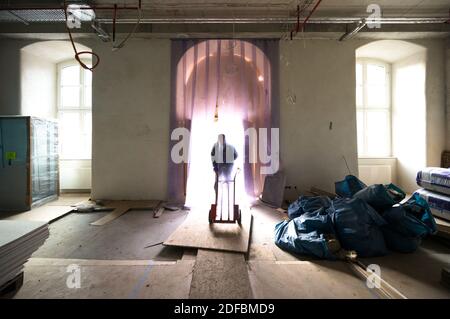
(91,7)
(297,28)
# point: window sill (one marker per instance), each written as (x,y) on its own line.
(376,158)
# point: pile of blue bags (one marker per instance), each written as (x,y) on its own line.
(366,219)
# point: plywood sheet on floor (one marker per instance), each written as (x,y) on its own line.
(50,211)
(107,279)
(416,275)
(305,279)
(123,206)
(262,245)
(220,275)
(46,213)
(196,232)
(124,238)
(69,199)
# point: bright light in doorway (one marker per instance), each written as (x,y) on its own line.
(260,78)
(200,183)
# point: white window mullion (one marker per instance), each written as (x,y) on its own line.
(374,109)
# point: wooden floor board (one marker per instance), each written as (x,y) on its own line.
(196,232)
(220,275)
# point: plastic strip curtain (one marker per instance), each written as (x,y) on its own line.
(238,76)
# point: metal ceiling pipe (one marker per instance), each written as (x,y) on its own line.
(19,18)
(276,20)
(358,28)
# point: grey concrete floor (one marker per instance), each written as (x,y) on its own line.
(124,238)
(114,263)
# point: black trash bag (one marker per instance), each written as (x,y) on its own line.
(310,234)
(305,204)
(357,227)
(349,186)
(379,196)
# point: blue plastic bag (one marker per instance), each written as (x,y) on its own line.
(398,242)
(408,224)
(349,186)
(418,207)
(403,222)
(357,227)
(309,234)
(381,197)
(306,204)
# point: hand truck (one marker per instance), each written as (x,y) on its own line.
(225,210)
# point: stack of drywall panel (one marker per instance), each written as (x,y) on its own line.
(18,241)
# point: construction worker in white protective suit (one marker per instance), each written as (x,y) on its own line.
(223,156)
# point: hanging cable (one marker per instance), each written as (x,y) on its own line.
(114,23)
(78,54)
(138,21)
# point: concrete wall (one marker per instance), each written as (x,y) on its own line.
(320,76)
(447,60)
(38,86)
(10,76)
(436,101)
(131,104)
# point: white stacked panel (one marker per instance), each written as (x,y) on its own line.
(18,241)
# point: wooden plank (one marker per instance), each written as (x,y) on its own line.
(320,192)
(443,228)
(158,212)
(121,207)
(385,290)
(116,213)
(222,275)
(305,279)
(46,262)
(196,232)
(442,225)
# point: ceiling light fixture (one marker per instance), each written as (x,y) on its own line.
(82,12)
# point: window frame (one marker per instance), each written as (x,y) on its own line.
(365,108)
(82,109)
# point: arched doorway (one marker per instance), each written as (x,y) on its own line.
(223,86)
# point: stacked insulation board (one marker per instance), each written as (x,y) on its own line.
(18,241)
(436,190)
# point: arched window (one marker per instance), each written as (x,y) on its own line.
(373,104)
(74,105)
